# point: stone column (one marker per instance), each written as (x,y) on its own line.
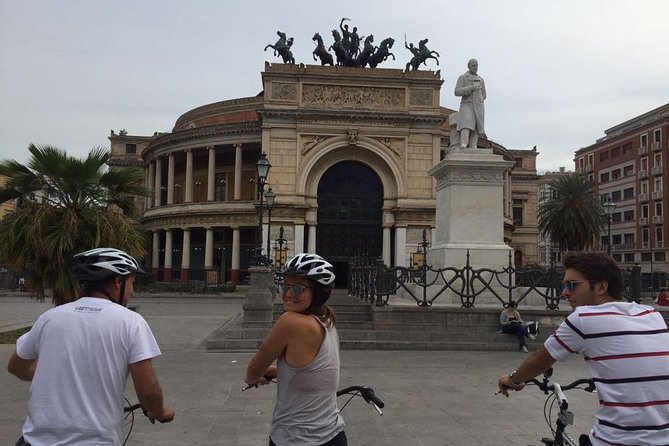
(209,249)
(311,239)
(211,173)
(299,241)
(400,246)
(189,177)
(386,245)
(170,178)
(155,255)
(238,171)
(158,184)
(185,256)
(236,254)
(151,175)
(167,270)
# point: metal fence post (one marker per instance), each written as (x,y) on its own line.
(635,285)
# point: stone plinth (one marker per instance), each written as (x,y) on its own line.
(258,301)
(470,210)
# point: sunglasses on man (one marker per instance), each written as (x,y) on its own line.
(570,285)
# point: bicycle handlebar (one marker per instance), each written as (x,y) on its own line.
(546,386)
(367,393)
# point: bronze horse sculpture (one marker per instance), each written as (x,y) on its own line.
(366,52)
(421,54)
(321,52)
(338,47)
(382,52)
(282,47)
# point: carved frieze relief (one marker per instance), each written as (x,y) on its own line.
(284,91)
(420,97)
(470,176)
(342,96)
(394,144)
(310,141)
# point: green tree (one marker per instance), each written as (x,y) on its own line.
(573,216)
(66,205)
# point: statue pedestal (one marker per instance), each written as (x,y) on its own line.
(470,210)
(259,300)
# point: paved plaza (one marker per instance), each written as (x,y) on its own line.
(432,398)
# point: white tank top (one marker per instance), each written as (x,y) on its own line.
(306,402)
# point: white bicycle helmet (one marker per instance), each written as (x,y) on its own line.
(311,266)
(103,263)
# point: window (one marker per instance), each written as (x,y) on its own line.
(221,180)
(658,184)
(616,239)
(629,215)
(615,174)
(644,163)
(644,187)
(615,152)
(591,178)
(645,257)
(628,170)
(617,217)
(580,163)
(658,208)
(604,197)
(644,211)
(657,135)
(617,257)
(604,156)
(131,149)
(627,148)
(629,238)
(591,158)
(518,212)
(629,257)
(645,235)
(519,162)
(657,160)
(615,195)
(644,140)
(604,240)
(628,193)
(659,256)
(603,177)
(659,234)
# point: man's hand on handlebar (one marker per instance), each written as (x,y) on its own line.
(505,383)
(166,416)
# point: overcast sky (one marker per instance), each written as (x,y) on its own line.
(557,73)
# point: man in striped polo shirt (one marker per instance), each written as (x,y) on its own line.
(626,348)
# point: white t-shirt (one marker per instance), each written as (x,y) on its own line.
(626,348)
(83,349)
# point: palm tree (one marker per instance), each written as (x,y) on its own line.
(573,217)
(66,205)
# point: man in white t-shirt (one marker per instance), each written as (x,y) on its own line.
(626,348)
(79,355)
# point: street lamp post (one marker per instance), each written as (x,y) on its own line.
(609,208)
(279,250)
(262,170)
(269,196)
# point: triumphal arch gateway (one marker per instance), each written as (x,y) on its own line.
(349,150)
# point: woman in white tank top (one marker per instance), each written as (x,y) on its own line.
(305,344)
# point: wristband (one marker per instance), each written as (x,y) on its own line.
(511,375)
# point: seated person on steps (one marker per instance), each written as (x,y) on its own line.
(512,323)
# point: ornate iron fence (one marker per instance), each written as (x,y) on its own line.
(372,281)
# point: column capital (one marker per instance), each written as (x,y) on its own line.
(210,147)
(237,144)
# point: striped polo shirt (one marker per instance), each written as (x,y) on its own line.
(626,348)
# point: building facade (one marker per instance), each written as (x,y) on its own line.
(349,150)
(629,166)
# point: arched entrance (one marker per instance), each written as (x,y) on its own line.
(350,207)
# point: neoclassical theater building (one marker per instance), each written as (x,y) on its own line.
(349,149)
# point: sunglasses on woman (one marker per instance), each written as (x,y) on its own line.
(296,289)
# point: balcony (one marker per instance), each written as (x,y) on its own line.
(658,219)
(643,150)
(623,247)
(643,221)
(657,170)
(643,174)
(643,197)
(657,195)
(656,146)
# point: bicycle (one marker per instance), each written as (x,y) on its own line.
(565,417)
(364,392)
